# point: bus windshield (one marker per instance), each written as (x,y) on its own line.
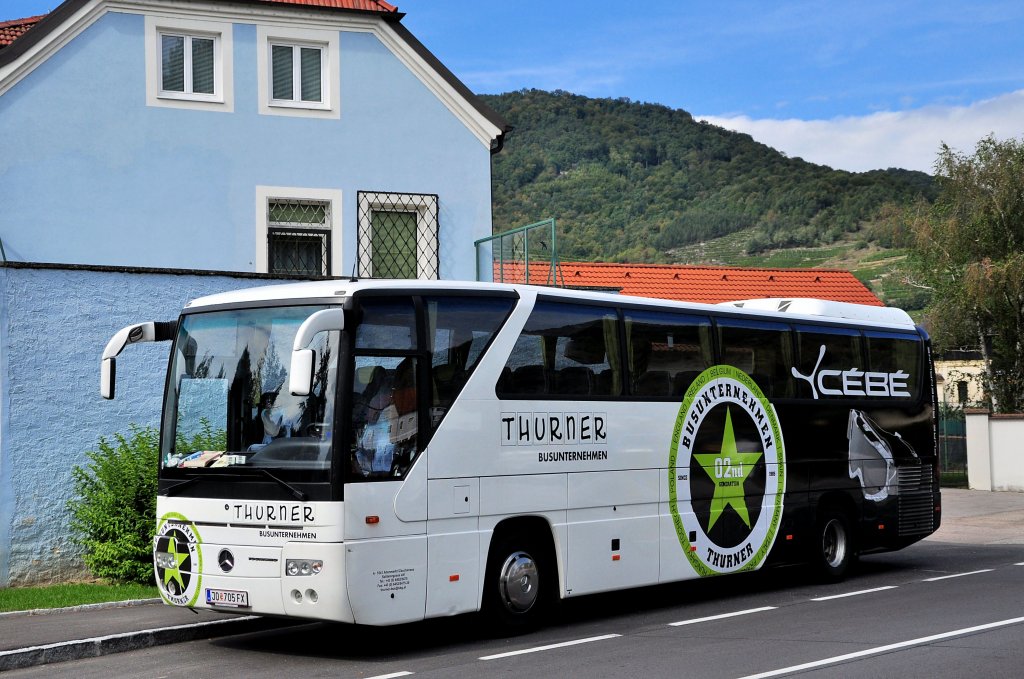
(228,404)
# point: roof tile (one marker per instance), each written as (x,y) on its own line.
(706,284)
(14,29)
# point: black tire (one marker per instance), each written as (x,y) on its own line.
(519,584)
(834,546)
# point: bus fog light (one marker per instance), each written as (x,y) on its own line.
(303,566)
(297,596)
(312,595)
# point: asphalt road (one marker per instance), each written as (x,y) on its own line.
(936,609)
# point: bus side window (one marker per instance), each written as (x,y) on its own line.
(761,349)
(666,351)
(842,351)
(565,350)
(900,356)
(459,331)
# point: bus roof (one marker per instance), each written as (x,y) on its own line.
(791,309)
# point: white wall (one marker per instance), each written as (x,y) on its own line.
(995,451)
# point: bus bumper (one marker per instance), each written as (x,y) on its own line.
(249,580)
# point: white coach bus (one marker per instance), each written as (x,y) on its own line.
(379,452)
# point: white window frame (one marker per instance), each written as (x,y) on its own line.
(427,240)
(266,194)
(222,98)
(296,99)
(330,71)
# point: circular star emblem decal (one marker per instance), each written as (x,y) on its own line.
(726,473)
(177,560)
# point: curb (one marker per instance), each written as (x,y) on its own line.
(130,641)
(127,603)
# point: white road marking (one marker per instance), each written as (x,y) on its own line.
(549,647)
(885,649)
(720,617)
(957,575)
(393,675)
(1019,564)
(863,591)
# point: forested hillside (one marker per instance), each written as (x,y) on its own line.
(629,181)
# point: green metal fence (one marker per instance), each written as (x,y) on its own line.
(527,254)
(952,447)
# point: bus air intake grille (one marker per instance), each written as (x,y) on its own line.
(915,501)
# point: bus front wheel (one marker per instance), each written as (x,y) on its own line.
(517,585)
(834,551)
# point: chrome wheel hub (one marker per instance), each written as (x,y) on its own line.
(518,583)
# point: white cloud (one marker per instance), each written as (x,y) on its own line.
(907,139)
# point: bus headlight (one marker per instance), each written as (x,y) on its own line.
(165,560)
(303,566)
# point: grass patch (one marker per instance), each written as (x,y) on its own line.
(892,253)
(59,596)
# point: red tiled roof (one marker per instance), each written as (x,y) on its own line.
(706,284)
(14,29)
(360,5)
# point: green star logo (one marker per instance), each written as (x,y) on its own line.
(729,470)
(179,558)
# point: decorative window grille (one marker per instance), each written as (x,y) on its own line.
(398,235)
(299,237)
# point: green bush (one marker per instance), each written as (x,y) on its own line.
(114,508)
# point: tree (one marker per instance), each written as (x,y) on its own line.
(969,248)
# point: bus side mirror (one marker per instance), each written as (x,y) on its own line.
(133,334)
(300,375)
(108,377)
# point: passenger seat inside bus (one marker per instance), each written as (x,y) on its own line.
(529,379)
(653,383)
(575,380)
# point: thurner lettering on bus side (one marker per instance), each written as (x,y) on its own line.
(553,428)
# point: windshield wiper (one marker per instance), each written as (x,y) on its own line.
(173,490)
(296,493)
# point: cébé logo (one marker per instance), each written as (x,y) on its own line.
(178,560)
(853,382)
(726,473)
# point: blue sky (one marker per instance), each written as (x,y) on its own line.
(854,85)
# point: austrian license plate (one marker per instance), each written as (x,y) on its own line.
(227,597)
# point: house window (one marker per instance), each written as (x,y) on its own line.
(296,74)
(299,237)
(298,71)
(189,64)
(398,235)
(298,231)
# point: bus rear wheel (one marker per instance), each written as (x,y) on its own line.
(834,548)
(517,586)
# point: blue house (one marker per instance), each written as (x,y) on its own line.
(157,150)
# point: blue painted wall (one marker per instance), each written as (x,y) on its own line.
(90,174)
(54,324)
